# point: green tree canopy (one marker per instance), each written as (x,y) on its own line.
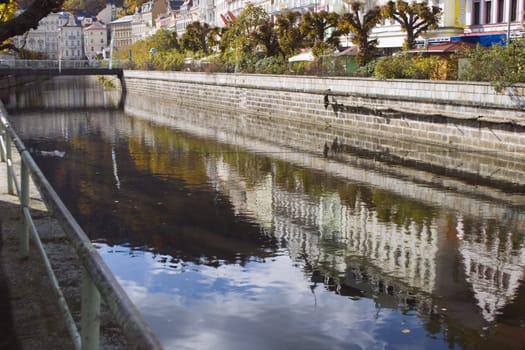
(266,37)
(91,7)
(502,66)
(414,18)
(195,38)
(321,30)
(360,25)
(239,43)
(288,33)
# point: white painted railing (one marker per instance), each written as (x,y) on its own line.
(97,280)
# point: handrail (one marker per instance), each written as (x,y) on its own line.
(62,63)
(97,280)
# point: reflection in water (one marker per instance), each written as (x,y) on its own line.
(222,245)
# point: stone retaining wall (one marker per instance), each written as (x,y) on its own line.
(448,125)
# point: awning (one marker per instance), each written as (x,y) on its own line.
(445,47)
(484,39)
(349,51)
(306,56)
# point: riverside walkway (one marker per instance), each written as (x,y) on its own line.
(32,312)
(32,318)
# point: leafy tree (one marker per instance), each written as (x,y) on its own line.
(11,26)
(131,5)
(360,25)
(91,7)
(250,19)
(288,33)
(73,5)
(7,10)
(240,41)
(214,37)
(503,66)
(321,30)
(266,36)
(414,18)
(164,40)
(195,38)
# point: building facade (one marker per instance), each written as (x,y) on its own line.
(71,43)
(60,34)
(45,38)
(120,32)
(95,41)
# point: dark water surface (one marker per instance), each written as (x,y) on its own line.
(223,246)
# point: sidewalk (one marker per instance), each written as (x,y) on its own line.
(36,317)
(35,314)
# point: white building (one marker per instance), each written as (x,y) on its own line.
(142,23)
(44,39)
(71,43)
(120,31)
(184,18)
(95,40)
(476,21)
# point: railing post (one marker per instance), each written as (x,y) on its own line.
(24,203)
(90,323)
(2,142)
(9,160)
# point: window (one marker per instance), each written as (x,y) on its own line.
(513,10)
(488,12)
(476,13)
(501,10)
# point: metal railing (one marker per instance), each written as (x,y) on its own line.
(97,280)
(59,63)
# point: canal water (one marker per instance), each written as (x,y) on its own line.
(224,242)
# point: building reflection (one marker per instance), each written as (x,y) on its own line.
(343,241)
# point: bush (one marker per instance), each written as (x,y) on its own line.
(501,65)
(171,60)
(404,66)
(391,67)
(271,65)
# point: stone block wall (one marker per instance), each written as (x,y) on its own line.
(447,125)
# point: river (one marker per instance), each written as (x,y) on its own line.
(227,242)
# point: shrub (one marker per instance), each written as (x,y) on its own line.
(501,65)
(390,67)
(404,66)
(271,65)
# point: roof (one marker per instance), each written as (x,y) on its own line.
(349,51)
(449,47)
(96,26)
(124,19)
